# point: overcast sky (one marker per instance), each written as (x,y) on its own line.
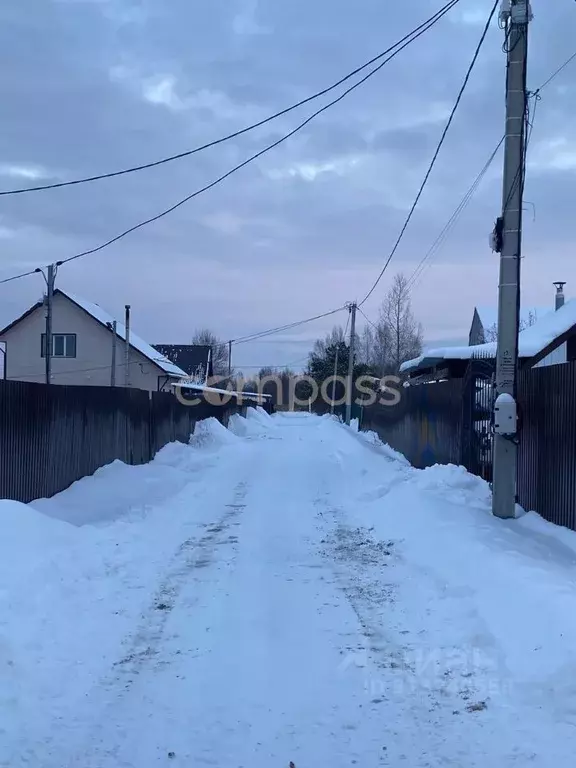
(89,86)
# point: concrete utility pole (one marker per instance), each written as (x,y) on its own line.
(48,335)
(507,240)
(335,374)
(230,357)
(350,382)
(113,326)
(127,350)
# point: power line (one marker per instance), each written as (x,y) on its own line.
(22,274)
(281,367)
(560,69)
(234,135)
(436,153)
(279,329)
(365,316)
(274,144)
(435,247)
(79,370)
(529,128)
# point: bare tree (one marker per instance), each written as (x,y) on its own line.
(336,336)
(366,346)
(401,332)
(219,348)
(491,333)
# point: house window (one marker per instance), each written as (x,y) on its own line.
(63,345)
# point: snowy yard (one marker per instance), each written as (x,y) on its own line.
(286,590)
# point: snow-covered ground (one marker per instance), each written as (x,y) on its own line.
(286,590)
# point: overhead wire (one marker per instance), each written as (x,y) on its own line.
(555,74)
(281,328)
(235,134)
(368,319)
(450,224)
(436,153)
(520,175)
(269,147)
(22,274)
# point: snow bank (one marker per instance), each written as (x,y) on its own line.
(211,435)
(71,596)
(506,588)
(454,484)
(374,440)
(117,490)
(256,424)
(28,540)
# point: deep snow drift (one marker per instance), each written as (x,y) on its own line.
(284,590)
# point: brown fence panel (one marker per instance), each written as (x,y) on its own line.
(547,450)
(52,436)
(425,425)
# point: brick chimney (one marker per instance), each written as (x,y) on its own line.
(559,295)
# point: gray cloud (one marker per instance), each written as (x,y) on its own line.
(94,85)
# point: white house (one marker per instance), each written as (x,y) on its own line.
(82,348)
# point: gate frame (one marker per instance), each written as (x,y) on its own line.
(478,370)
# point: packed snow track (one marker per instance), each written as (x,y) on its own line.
(286,590)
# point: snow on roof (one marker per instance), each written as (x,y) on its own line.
(188,384)
(531,341)
(135,341)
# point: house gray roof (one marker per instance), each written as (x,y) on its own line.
(194,359)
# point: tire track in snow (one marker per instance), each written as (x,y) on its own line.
(144,646)
(358,562)
(191,555)
(415,694)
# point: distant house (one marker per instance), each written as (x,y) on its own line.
(194,359)
(82,348)
(485,322)
(550,341)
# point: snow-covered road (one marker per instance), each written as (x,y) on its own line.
(287,590)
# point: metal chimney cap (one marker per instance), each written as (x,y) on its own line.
(559,285)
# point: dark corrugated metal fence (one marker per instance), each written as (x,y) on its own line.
(425,425)
(52,436)
(547,450)
(451,422)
